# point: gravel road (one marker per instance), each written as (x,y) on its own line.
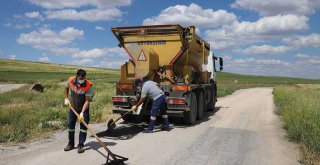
(243,131)
(9,87)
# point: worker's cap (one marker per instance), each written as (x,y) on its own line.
(81,72)
(137,81)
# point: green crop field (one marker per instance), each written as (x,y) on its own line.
(26,115)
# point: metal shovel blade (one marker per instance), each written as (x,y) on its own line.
(111,125)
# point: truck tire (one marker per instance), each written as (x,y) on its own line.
(190,116)
(200,105)
(214,98)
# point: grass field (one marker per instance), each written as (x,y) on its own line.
(299,108)
(227,84)
(26,114)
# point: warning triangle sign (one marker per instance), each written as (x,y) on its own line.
(142,56)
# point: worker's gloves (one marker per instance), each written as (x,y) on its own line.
(80,117)
(67,102)
(134,108)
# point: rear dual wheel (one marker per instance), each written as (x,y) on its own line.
(191,115)
(201,106)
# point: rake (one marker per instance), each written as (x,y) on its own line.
(112,159)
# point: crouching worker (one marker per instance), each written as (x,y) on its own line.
(151,90)
(81,94)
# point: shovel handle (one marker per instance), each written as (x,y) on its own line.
(91,131)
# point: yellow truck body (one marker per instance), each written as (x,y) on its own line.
(170,55)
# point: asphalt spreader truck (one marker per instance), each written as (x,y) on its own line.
(177,59)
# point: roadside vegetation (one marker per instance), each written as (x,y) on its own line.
(26,114)
(229,82)
(299,108)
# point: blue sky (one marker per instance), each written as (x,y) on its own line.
(278,38)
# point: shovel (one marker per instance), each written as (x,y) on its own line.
(116,159)
(112,124)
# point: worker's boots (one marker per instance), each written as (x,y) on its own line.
(165,126)
(150,127)
(80,148)
(69,147)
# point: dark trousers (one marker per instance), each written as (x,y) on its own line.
(159,104)
(72,124)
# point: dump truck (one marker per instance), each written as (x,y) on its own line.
(176,58)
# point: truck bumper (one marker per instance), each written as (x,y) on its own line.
(171,113)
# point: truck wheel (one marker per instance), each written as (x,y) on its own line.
(190,116)
(200,105)
(214,99)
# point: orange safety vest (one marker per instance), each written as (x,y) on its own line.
(78,97)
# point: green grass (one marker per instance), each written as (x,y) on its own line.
(227,85)
(299,108)
(27,114)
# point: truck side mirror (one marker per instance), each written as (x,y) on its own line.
(221,63)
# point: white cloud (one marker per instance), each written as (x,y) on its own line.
(313,61)
(304,56)
(252,61)
(112,64)
(99,28)
(272,62)
(227,57)
(47,39)
(25,21)
(44,59)
(12,57)
(93,53)
(98,53)
(253,66)
(18,26)
(264,49)
(275,7)
(193,15)
(54,4)
(63,50)
(307,59)
(265,29)
(82,62)
(61,4)
(57,43)
(85,15)
(96,10)
(306,68)
(34,15)
(312,40)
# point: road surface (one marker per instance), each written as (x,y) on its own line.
(9,87)
(243,131)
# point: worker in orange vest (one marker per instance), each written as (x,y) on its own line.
(81,95)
